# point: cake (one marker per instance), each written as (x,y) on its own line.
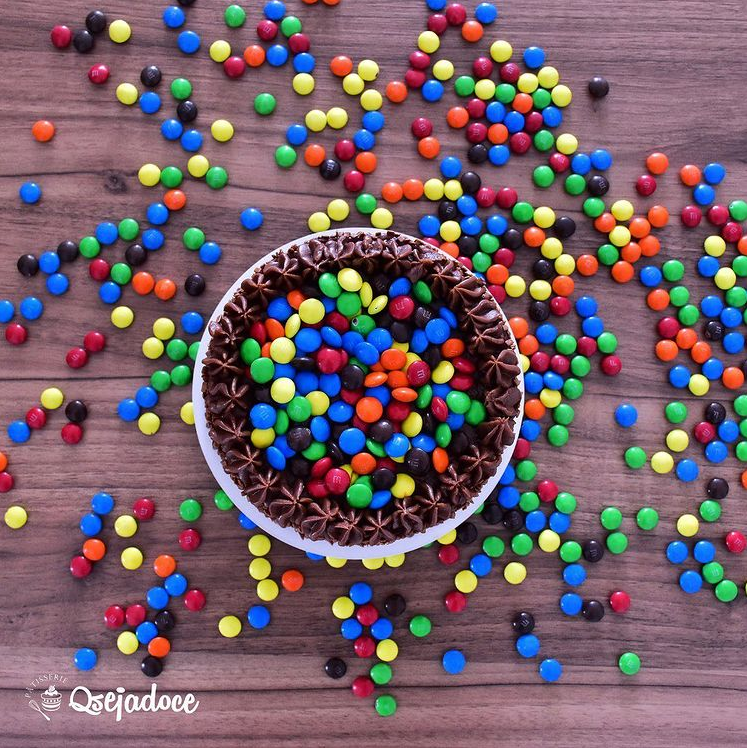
(449,455)
(51,699)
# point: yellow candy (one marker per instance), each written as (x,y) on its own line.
(126,94)
(125,526)
(428,42)
(373,563)
(540,290)
(319,402)
(198,166)
(550,398)
(688,525)
(368,70)
(229,626)
(319,221)
(382,218)
(395,561)
(443,372)
(662,462)
(149,423)
(567,143)
(544,217)
(714,245)
(677,440)
(122,317)
(548,77)
(501,51)
(337,117)
(410,357)
(551,248)
(622,210)
(387,650)
(338,209)
(366,294)
(515,286)
(152,348)
(450,231)
(262,438)
(412,425)
(404,347)
(620,236)
(222,130)
(485,89)
(127,643)
(443,70)
(132,558)
(343,607)
(433,189)
(52,398)
(220,50)
(336,563)
(282,349)
(316,120)
(119,31)
(15,517)
(371,100)
(164,328)
(466,581)
(453,189)
(725,278)
(187,413)
(303,83)
(699,385)
(353,84)
(447,539)
(311,311)
(349,280)
(267,590)
(515,573)
(282,390)
(565,264)
(259,569)
(149,175)
(259,545)
(292,325)
(527,83)
(524,362)
(561,95)
(403,486)
(548,541)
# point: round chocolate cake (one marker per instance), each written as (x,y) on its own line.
(361,388)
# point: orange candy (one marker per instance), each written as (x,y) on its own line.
(497,274)
(94,549)
(396,91)
(605,223)
(375,378)
(440,459)
(686,338)
(623,271)
(265,349)
(639,227)
(159,646)
(341,66)
(631,252)
(658,216)
(451,248)
(472,31)
(452,348)
(254,56)
(292,580)
(363,463)
(42,130)
(143,283)
(369,409)
(587,265)
(690,175)
(429,147)
(743,479)
(742,245)
(175,199)
(392,192)
(164,565)
(457,117)
(534,236)
(397,379)
(165,289)
(331,2)
(534,409)
(522,103)
(657,163)
(528,345)
(649,245)
(666,350)
(393,358)
(295,298)
(314,154)
(658,299)
(700,352)
(519,327)
(733,377)
(404,394)
(498,133)
(563,285)
(275,329)
(365,162)
(3,461)
(412,189)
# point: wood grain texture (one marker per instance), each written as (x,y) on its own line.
(677,73)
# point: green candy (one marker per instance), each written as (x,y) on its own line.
(282,424)
(580,366)
(385,705)
(190,510)
(299,409)
(349,304)
(710,510)
(285,156)
(647,518)
(363,324)
(160,381)
(570,551)
(250,351)
(675,412)
(573,388)
(425,395)
(381,673)
(194,349)
(458,402)
(673,271)
(128,229)
(464,85)
(629,663)
(365,203)
(566,502)
(543,176)
(740,405)
(422,291)
(181,375)
(329,286)
(522,544)
(635,458)
(713,572)
(176,349)
(420,626)
(529,501)
(526,471)
(290,25)
(262,370)
(566,344)
(193,238)
(171,177)
(610,518)
(359,495)
(558,435)
(493,546)
(738,210)
(376,449)
(89,247)
(121,273)
(489,244)
(216,177)
(575,184)
(476,413)
(617,542)
(542,98)
(234,16)
(679,296)
(522,212)
(607,342)
(608,254)
(563,414)
(593,207)
(505,93)
(443,435)
(264,104)
(726,591)
(222,500)
(481,262)
(181,88)
(688,315)
(544,141)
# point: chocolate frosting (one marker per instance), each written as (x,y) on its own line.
(229,397)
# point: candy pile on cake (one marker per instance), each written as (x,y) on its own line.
(361,388)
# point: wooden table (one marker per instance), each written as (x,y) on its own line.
(676,71)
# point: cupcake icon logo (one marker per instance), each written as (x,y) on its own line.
(42,694)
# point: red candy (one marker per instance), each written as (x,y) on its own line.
(421,127)
(135,614)
(510,72)
(437,23)
(61,36)
(234,66)
(448,554)
(194,600)
(364,646)
(98,269)
(36,418)
(354,181)
(362,686)
(506,197)
(439,409)
(189,539)
(418,373)
(611,365)
(691,216)
(80,567)
(620,601)
(367,614)
(401,307)
(16,334)
(456,14)
(328,360)
(455,601)
(267,30)
(94,341)
(76,358)
(547,490)
(144,509)
(419,60)
(98,74)
(114,617)
(645,185)
(345,149)
(299,43)
(71,433)
(482,67)
(337,481)
(668,327)
(718,215)
(415,78)
(704,432)
(6,482)
(735,542)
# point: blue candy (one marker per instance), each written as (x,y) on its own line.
(571,604)
(453,661)
(352,441)
(691,581)
(534,57)
(175,584)
(188,42)
(102,503)
(626,415)
(396,446)
(191,140)
(437,331)
(251,218)
(192,322)
(30,193)
(380,499)
(350,629)
(687,470)
(31,308)
(146,631)
(574,575)
(146,397)
(85,659)
(150,102)
(153,239)
(49,262)
(157,598)
(381,628)
(373,121)
(277,55)
(262,416)
(90,524)
(128,409)
(172,129)
(7,311)
(550,670)
(19,432)
(535,521)
(677,552)
(245,522)
(480,565)
(304,62)
(58,284)
(174,17)
(528,645)
(360,593)
(258,616)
